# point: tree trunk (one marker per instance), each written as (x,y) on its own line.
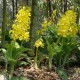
(47,9)
(13,9)
(65,6)
(78,12)
(50,8)
(27,2)
(16,6)
(61,5)
(3,24)
(33,25)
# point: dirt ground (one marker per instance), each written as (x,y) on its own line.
(45,74)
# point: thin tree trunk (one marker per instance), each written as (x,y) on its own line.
(61,5)
(50,7)
(13,9)
(78,12)
(33,25)
(47,9)
(27,2)
(3,24)
(65,6)
(16,6)
(77,21)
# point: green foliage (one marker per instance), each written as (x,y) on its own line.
(78,53)
(52,49)
(62,73)
(12,53)
(57,48)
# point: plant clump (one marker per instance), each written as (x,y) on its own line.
(21,26)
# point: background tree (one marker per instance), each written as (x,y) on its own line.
(27,2)
(16,6)
(33,25)
(65,6)
(3,24)
(13,9)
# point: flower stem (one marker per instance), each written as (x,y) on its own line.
(35,59)
(50,63)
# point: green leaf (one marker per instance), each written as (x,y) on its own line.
(19,52)
(20,63)
(15,44)
(52,48)
(3,50)
(9,51)
(12,53)
(62,74)
(41,57)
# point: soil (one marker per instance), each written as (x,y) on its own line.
(37,74)
(46,74)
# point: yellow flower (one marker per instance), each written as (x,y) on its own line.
(47,23)
(73,31)
(43,28)
(67,24)
(53,15)
(62,30)
(39,43)
(21,26)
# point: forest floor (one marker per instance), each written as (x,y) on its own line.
(46,74)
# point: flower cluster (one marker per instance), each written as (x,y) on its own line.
(67,24)
(44,27)
(39,43)
(53,15)
(47,23)
(21,26)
